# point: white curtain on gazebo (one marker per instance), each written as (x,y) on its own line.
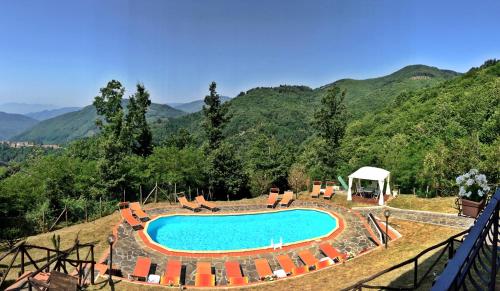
(372,174)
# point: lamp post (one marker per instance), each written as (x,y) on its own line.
(111,240)
(387,213)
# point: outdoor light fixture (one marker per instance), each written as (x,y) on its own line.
(111,240)
(387,213)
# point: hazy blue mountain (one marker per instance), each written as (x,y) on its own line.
(193,106)
(46,114)
(12,124)
(24,108)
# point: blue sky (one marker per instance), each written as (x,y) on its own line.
(62,52)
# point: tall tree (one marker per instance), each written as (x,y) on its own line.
(137,126)
(216,117)
(330,121)
(226,176)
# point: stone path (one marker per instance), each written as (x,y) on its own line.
(354,238)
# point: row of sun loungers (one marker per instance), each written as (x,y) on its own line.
(134,215)
(285,201)
(205,276)
(200,202)
(316,191)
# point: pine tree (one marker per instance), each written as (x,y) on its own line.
(138,130)
(216,117)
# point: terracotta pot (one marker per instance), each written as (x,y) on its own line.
(472,208)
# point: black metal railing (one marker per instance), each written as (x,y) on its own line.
(475,264)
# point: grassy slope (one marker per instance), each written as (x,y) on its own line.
(12,124)
(81,123)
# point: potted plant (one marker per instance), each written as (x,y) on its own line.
(472,192)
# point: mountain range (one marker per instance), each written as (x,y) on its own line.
(194,106)
(283,111)
(12,124)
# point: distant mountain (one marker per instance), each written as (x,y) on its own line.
(46,114)
(81,123)
(24,108)
(286,111)
(194,106)
(13,124)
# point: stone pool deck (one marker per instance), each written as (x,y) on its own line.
(355,238)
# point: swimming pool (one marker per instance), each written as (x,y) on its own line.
(239,232)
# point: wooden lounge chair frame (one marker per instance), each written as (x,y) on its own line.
(126,214)
(287,199)
(316,190)
(137,210)
(272,200)
(204,276)
(263,268)
(172,274)
(141,269)
(234,275)
(329,192)
(189,205)
(204,203)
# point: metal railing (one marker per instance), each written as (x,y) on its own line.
(475,264)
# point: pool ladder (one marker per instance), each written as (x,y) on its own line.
(278,245)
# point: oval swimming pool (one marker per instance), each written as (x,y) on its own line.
(239,232)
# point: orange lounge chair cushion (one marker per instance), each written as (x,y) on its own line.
(238,280)
(263,268)
(204,280)
(330,251)
(203,268)
(129,218)
(183,201)
(328,191)
(172,272)
(323,264)
(308,258)
(273,197)
(233,269)
(170,280)
(201,200)
(136,207)
(142,267)
(287,197)
(286,263)
(300,270)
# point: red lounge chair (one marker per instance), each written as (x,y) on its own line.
(263,268)
(272,200)
(308,258)
(141,270)
(204,203)
(234,275)
(137,210)
(204,276)
(130,219)
(316,189)
(323,263)
(329,190)
(331,252)
(289,267)
(189,205)
(287,199)
(172,275)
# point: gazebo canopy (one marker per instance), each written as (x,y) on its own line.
(370,173)
(373,174)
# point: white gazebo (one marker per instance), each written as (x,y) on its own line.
(372,174)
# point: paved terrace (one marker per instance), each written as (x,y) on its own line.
(355,238)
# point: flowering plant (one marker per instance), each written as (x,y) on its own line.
(473,186)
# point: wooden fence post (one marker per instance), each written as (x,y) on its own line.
(100,206)
(22,258)
(86,212)
(156,192)
(66,214)
(140,194)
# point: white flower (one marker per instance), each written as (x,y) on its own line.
(459,180)
(466,176)
(468,194)
(473,172)
(470,182)
(461,192)
(480,193)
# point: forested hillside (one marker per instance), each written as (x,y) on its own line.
(428,137)
(81,123)
(12,124)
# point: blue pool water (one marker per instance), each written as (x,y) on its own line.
(237,232)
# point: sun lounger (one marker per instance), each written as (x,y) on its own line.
(172,275)
(263,268)
(130,219)
(204,276)
(137,210)
(272,200)
(308,258)
(289,267)
(189,205)
(316,189)
(141,270)
(331,252)
(234,275)
(323,263)
(287,199)
(204,203)
(328,190)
